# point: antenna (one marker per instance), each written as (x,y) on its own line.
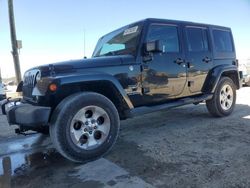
(84,44)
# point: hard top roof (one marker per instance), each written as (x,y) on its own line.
(181,22)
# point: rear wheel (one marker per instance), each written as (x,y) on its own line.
(223,101)
(84,126)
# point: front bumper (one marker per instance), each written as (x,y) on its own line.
(25,114)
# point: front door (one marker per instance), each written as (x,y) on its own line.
(198,57)
(164,76)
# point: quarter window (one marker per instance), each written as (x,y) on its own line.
(167,34)
(222,41)
(197,39)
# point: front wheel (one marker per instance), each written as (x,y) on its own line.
(84,126)
(223,101)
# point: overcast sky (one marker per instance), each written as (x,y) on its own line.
(53,30)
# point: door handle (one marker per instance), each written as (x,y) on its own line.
(206,59)
(179,61)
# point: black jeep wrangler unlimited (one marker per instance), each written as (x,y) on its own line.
(146,66)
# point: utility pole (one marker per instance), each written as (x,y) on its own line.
(14,42)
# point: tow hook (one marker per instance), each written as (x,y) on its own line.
(9,100)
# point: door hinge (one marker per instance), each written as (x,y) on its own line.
(148,57)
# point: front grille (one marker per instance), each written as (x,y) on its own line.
(29,82)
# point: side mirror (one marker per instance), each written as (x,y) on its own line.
(155,46)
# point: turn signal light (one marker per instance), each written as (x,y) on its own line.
(52,87)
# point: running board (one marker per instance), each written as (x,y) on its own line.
(148,109)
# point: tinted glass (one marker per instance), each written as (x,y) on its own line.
(197,39)
(167,34)
(222,41)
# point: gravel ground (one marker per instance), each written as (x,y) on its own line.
(186,147)
(181,147)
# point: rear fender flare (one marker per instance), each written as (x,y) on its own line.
(216,73)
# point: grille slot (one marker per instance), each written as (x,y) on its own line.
(29,82)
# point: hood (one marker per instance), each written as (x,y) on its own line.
(73,65)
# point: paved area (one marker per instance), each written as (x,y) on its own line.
(182,147)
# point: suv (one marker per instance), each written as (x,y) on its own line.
(2,91)
(244,70)
(143,67)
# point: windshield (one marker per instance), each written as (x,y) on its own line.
(120,42)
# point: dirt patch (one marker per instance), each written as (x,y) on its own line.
(137,163)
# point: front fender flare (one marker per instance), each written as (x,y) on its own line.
(74,79)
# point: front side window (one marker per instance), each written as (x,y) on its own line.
(167,34)
(197,39)
(222,41)
(120,42)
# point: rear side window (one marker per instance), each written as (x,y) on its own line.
(167,34)
(197,39)
(223,41)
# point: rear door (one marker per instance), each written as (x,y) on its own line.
(198,56)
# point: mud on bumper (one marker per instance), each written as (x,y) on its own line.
(25,114)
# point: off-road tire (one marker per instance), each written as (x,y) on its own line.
(214,105)
(61,122)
